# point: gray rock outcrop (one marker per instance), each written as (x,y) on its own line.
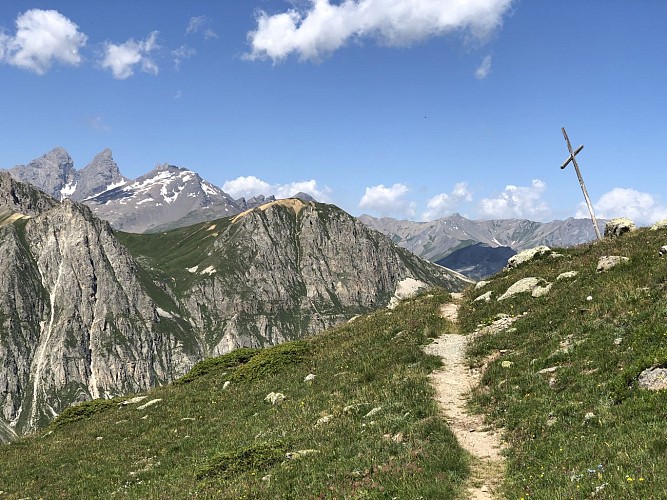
(607,262)
(485,297)
(567,275)
(525,285)
(101,174)
(653,379)
(619,226)
(527,255)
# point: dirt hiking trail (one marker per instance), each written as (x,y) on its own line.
(453,382)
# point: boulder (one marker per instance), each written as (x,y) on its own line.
(527,255)
(619,226)
(541,291)
(606,262)
(522,286)
(486,297)
(567,275)
(653,379)
(274,398)
(481,284)
(661,224)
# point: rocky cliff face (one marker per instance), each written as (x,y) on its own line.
(83,316)
(281,271)
(75,320)
(313,266)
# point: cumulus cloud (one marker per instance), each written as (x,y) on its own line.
(181,53)
(444,204)
(524,202)
(325,27)
(42,38)
(385,201)
(200,24)
(121,59)
(642,208)
(250,186)
(484,69)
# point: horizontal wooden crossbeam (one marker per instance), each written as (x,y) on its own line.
(565,164)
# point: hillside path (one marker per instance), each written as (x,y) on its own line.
(453,382)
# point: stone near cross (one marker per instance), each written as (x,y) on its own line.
(572,159)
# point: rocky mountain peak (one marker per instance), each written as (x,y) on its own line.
(53,173)
(101,174)
(57,155)
(303,196)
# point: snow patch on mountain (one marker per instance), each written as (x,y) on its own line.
(68,190)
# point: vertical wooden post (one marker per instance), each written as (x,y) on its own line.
(581,181)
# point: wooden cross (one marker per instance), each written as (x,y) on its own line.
(572,159)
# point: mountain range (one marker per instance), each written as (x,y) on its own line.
(436,240)
(87,312)
(169,197)
(166,197)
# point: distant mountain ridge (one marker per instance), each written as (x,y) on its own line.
(436,239)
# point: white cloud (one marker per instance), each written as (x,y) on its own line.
(325,27)
(522,202)
(97,123)
(246,187)
(42,38)
(250,186)
(382,200)
(444,204)
(642,208)
(121,59)
(200,24)
(484,68)
(183,52)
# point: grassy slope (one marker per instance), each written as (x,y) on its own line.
(168,255)
(558,451)
(205,441)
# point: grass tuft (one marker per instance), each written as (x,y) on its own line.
(253,459)
(84,410)
(272,360)
(210,366)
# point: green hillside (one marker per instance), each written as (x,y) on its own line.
(561,379)
(365,427)
(563,382)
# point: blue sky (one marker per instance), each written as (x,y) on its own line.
(409,109)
